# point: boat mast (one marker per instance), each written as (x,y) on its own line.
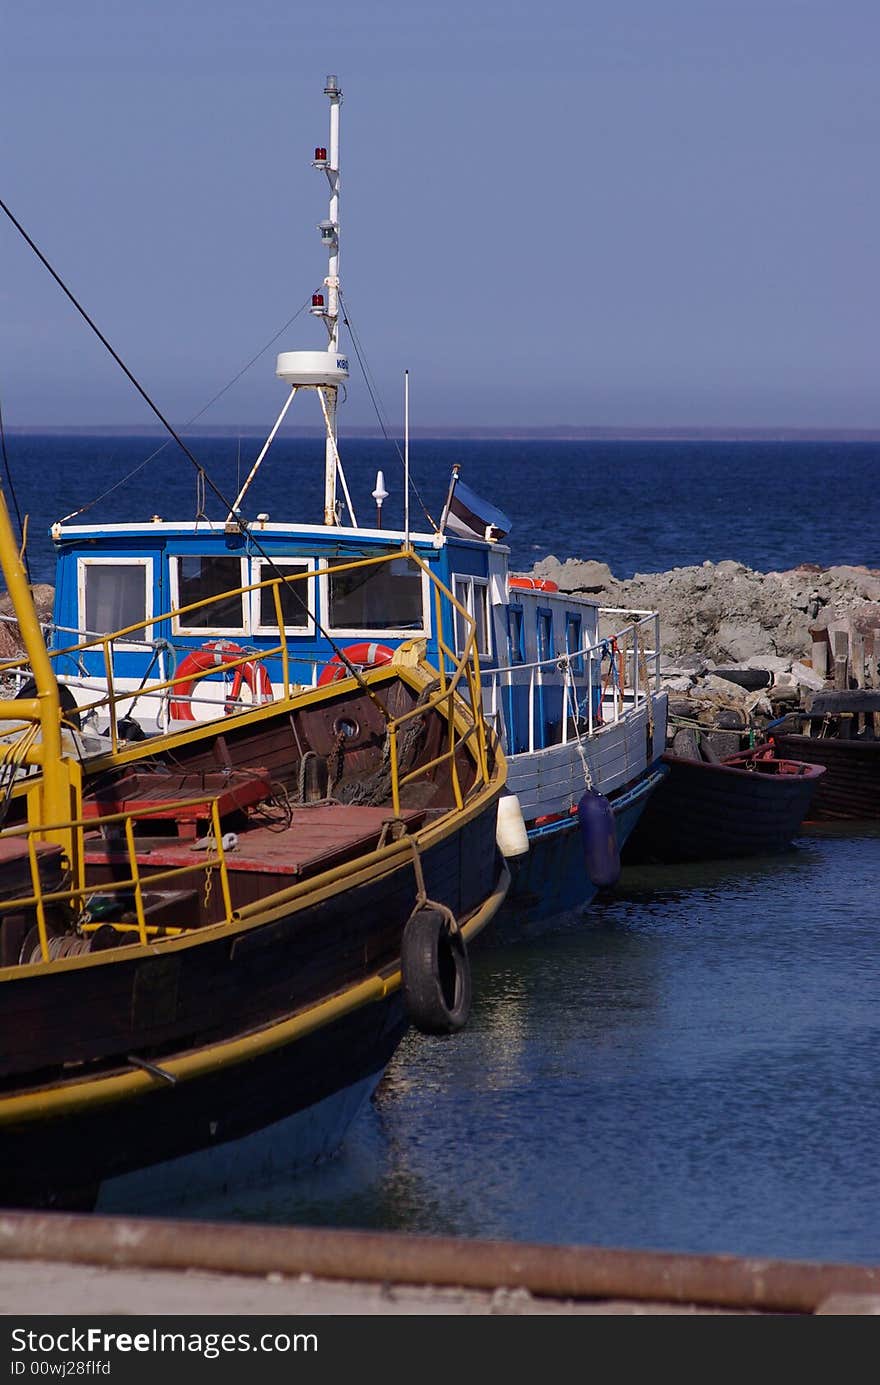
(325,371)
(330,235)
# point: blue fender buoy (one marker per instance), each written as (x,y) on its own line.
(601,852)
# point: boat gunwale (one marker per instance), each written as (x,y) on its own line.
(336,879)
(80,1092)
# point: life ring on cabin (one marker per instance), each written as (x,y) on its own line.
(252,675)
(435,973)
(534,584)
(363,656)
(209,656)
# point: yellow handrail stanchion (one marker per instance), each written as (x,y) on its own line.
(221,859)
(136,878)
(38,898)
(282,634)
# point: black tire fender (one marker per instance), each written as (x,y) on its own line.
(69,705)
(436,973)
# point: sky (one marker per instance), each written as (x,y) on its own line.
(624,213)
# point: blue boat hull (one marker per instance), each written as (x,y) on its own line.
(552,882)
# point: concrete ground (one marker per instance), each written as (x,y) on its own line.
(73,1264)
(29,1287)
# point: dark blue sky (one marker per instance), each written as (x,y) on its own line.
(625,213)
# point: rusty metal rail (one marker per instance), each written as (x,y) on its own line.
(749,1284)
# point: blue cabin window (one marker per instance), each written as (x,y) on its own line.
(113,593)
(516,648)
(545,634)
(212,581)
(574,641)
(297,598)
(387,596)
(473,593)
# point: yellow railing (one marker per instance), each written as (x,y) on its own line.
(457,698)
(136,882)
(465,666)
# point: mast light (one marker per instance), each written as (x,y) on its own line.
(328,231)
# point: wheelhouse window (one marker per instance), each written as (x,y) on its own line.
(297,598)
(473,593)
(213,581)
(545,634)
(114,593)
(516,647)
(384,596)
(574,641)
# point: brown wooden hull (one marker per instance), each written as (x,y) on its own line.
(705,811)
(265,983)
(64,1162)
(850,788)
(313,975)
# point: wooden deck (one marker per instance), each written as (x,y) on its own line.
(317,837)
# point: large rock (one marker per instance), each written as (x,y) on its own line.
(728,612)
(11,643)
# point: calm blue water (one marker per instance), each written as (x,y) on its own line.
(693,1065)
(640,507)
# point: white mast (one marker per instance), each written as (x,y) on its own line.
(406,456)
(330,235)
(325,371)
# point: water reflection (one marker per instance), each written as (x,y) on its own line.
(692,1067)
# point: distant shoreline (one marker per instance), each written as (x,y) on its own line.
(465,434)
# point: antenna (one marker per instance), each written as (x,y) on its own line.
(406,456)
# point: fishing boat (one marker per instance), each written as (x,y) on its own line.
(840,732)
(570,689)
(751,803)
(212,942)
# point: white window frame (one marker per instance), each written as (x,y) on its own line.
(262,569)
(345,632)
(207,631)
(470,584)
(82,566)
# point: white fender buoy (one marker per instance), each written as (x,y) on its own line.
(510,831)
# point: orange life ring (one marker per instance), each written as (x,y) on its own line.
(201,661)
(254,674)
(364,655)
(534,584)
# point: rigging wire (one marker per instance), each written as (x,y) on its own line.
(202,474)
(190,421)
(22,528)
(373,393)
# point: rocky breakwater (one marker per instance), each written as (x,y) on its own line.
(10,636)
(739,648)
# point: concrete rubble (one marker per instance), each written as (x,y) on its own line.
(736,644)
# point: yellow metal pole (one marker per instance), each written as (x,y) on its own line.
(56,806)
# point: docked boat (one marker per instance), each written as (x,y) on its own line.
(570,689)
(213,941)
(748,804)
(841,732)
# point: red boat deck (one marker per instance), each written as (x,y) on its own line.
(319,836)
(184,798)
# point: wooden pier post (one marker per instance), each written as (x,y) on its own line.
(840,647)
(819,651)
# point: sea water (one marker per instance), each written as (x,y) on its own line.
(692,1063)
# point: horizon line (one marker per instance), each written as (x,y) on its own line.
(462,432)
